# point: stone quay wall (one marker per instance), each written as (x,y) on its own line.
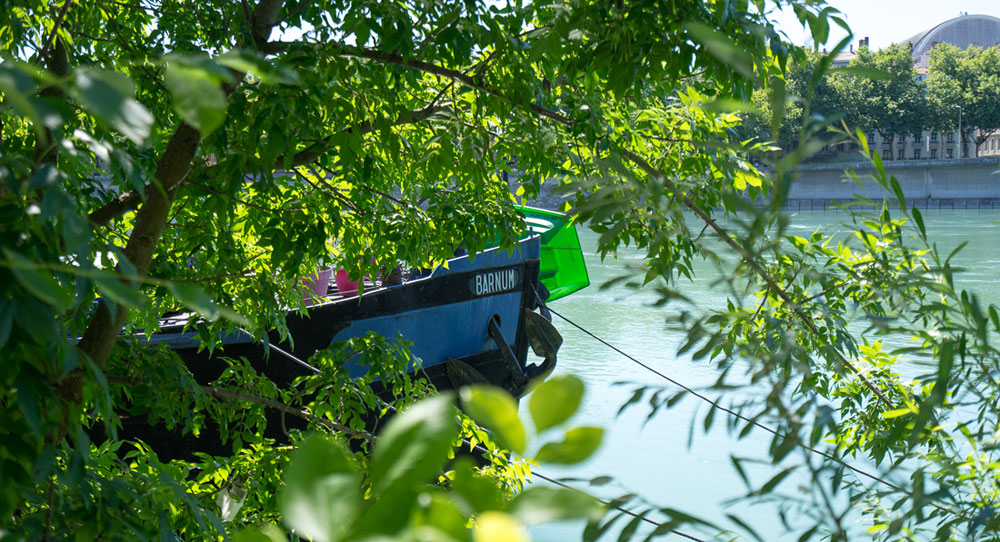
(969,183)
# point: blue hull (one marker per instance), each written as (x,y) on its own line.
(446,316)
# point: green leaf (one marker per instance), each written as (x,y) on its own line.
(722,47)
(441,514)
(195,299)
(495,410)
(322,494)
(7,309)
(250,62)
(540,504)
(555,400)
(119,292)
(771,484)
(18,86)
(108,95)
(480,492)
(919,219)
(495,526)
(39,283)
(264,533)
(898,191)
(946,360)
(888,415)
(197,95)
(415,444)
(601,480)
(631,527)
(579,444)
(388,514)
(28,398)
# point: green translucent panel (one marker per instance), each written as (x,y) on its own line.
(563,270)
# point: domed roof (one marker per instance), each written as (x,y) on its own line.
(962,32)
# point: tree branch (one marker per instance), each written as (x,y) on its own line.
(47,44)
(173,167)
(746,257)
(321,147)
(285,409)
(117,207)
(461,77)
(262,20)
(131,199)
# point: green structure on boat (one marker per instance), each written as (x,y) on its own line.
(563,270)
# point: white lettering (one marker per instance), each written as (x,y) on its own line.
(492,282)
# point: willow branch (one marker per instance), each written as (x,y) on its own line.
(758,270)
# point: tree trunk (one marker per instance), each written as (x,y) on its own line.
(47,152)
(173,167)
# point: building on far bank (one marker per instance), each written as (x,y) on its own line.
(963,32)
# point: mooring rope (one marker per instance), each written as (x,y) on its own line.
(715,404)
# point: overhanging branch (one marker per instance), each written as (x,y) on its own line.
(282,407)
(130,200)
(750,261)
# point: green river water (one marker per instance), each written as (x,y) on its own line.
(654,459)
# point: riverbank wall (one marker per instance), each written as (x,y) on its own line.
(970,183)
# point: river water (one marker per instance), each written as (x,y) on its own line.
(662,459)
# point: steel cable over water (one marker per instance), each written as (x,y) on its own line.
(715,404)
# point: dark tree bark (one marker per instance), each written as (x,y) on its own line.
(46,152)
(171,171)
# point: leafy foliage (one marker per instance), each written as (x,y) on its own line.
(169,156)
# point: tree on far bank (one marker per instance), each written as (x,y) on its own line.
(969,79)
(886,97)
(804,101)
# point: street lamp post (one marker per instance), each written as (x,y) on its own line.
(961,143)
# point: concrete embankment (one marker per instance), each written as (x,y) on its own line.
(971,183)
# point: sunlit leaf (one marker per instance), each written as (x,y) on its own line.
(480,492)
(498,527)
(495,410)
(108,95)
(195,299)
(553,401)
(579,444)
(415,443)
(40,283)
(322,491)
(197,95)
